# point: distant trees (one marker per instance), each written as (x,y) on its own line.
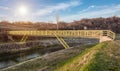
(111,23)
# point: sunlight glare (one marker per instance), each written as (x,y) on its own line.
(23,10)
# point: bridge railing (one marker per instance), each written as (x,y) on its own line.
(109,34)
(66,33)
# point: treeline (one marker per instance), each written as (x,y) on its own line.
(111,23)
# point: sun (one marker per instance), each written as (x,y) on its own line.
(22,10)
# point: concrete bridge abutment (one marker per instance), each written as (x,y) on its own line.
(105,38)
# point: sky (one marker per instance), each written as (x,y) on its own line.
(47,10)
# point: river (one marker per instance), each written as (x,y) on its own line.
(7,59)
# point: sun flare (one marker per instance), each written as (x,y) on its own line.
(22,10)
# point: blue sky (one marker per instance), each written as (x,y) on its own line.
(68,10)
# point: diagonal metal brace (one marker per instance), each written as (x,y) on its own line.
(24,38)
(61,40)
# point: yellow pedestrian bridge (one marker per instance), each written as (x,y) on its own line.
(103,35)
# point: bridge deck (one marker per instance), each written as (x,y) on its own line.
(66,33)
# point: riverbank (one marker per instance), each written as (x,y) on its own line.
(47,62)
(12,58)
(17,46)
(30,50)
(101,57)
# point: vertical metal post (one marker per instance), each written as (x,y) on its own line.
(57,20)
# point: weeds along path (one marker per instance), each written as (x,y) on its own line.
(102,57)
(80,62)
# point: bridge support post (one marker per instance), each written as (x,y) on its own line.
(11,38)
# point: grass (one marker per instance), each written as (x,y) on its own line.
(77,63)
(117,37)
(63,62)
(102,57)
(107,59)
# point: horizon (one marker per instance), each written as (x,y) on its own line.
(46,11)
(51,22)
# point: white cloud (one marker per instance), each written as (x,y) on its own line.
(58,7)
(46,13)
(93,12)
(41,12)
(4,8)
